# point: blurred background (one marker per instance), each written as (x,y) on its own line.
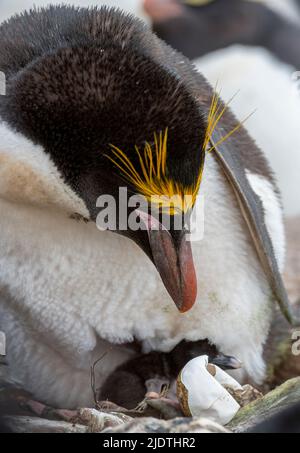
(249,46)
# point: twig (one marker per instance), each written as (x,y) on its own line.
(93,379)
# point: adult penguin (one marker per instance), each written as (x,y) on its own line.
(95,102)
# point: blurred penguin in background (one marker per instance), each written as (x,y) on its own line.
(197,27)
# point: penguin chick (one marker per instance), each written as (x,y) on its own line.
(96,103)
(147,373)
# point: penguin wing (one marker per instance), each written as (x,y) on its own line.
(253,212)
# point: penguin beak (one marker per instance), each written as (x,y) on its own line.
(226,362)
(172,256)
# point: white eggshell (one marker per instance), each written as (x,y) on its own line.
(206,396)
(224,379)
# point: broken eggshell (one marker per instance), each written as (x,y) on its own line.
(201,393)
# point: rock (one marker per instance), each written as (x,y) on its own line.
(24,424)
(86,421)
(284,422)
(244,396)
(292,267)
(263,408)
(177,425)
(283,363)
(97,421)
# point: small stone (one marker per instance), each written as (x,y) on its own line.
(244,396)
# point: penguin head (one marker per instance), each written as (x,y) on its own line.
(189,350)
(111,113)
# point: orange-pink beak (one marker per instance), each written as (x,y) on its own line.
(174,262)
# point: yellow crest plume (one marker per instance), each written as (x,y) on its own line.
(152,181)
(216,112)
(150,178)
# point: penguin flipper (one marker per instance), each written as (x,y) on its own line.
(253,212)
